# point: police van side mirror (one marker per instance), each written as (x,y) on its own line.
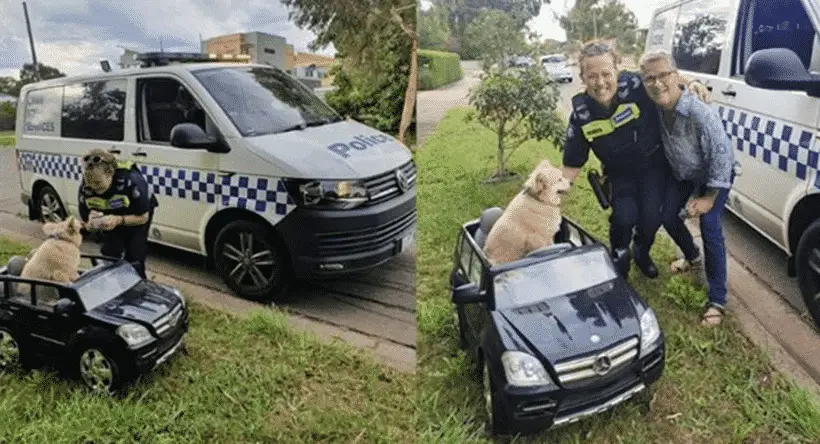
(780,69)
(189,135)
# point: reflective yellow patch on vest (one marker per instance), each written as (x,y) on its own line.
(116,202)
(125,165)
(625,113)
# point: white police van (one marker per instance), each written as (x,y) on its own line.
(249,166)
(757,56)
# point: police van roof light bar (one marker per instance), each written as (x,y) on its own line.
(149,59)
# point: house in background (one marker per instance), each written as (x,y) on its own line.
(313,66)
(263,48)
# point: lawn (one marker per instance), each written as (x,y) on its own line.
(244,380)
(717,387)
(6,138)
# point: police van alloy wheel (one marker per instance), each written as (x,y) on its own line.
(99,370)
(51,209)
(807,261)
(9,350)
(251,261)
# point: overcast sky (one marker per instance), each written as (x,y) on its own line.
(548,27)
(74,35)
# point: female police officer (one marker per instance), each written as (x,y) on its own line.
(617,120)
(118,191)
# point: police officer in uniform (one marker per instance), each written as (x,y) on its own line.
(616,119)
(115,198)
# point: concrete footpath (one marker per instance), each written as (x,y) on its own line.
(386,352)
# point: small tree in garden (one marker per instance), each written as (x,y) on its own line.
(518,105)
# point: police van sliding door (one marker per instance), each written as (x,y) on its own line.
(773,132)
(176,175)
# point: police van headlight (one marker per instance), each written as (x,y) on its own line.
(329,194)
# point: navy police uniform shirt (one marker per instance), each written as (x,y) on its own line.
(128,195)
(626,137)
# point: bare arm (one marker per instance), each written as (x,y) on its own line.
(570,173)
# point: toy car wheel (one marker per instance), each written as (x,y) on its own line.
(497,420)
(10,355)
(99,371)
(251,261)
(807,262)
(644,400)
(50,206)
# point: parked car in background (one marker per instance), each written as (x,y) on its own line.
(556,66)
(521,62)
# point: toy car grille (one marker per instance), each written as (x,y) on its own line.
(386,186)
(168,322)
(598,364)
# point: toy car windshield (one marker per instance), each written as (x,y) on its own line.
(559,276)
(101,285)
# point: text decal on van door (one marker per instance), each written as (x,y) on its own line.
(359,143)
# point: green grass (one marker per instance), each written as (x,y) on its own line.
(245,380)
(717,386)
(6,138)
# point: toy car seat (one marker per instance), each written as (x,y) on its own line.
(488,218)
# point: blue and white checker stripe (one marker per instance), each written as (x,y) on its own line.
(784,146)
(263,195)
(54,165)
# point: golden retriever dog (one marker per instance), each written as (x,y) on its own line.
(532,218)
(57,259)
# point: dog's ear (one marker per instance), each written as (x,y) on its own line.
(541,181)
(71,225)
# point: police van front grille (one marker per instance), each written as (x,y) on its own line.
(385,186)
(361,241)
(582,368)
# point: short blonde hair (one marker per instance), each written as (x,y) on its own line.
(655,56)
(595,48)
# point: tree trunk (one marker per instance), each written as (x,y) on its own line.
(501,170)
(412,87)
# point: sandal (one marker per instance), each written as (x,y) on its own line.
(713,315)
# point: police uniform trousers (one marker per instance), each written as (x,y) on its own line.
(130,242)
(637,200)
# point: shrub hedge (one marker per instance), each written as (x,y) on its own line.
(438,68)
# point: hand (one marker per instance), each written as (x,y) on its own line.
(699,206)
(108,223)
(699,89)
(94,214)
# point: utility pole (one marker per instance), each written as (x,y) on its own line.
(31,41)
(595,23)
(160,45)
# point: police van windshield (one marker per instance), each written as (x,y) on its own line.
(263,101)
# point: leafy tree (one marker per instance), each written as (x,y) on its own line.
(378,41)
(8,116)
(434,28)
(494,36)
(605,19)
(12,87)
(518,105)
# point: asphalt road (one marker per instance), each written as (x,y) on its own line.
(379,303)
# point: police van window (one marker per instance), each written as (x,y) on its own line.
(264,100)
(162,104)
(662,29)
(94,110)
(42,110)
(765,24)
(700,35)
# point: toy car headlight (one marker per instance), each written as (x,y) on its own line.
(134,334)
(524,370)
(650,331)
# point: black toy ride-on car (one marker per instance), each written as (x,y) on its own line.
(558,335)
(106,328)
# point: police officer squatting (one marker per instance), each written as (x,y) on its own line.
(115,199)
(616,119)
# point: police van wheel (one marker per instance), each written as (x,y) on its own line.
(807,262)
(251,261)
(49,206)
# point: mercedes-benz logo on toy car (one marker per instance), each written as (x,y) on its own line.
(601,365)
(404,184)
(594,339)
